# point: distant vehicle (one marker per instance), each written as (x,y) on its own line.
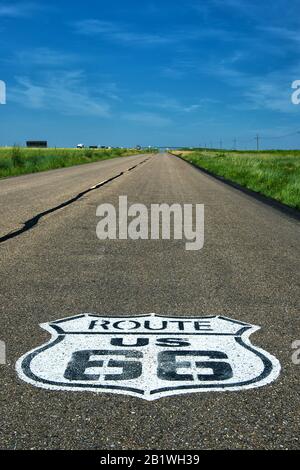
(41,144)
(80,146)
(138,147)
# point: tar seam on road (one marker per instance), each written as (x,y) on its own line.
(29,224)
(290,211)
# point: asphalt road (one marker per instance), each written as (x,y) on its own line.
(248,270)
(25,196)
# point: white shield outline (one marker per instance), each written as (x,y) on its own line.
(270,372)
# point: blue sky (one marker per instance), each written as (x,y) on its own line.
(151,73)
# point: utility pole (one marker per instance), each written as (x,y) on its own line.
(221,144)
(234,144)
(257,142)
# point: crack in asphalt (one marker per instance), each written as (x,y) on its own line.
(30,223)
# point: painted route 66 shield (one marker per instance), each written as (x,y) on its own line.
(148,356)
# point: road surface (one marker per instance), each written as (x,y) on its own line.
(248,270)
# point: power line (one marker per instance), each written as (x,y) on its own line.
(282,136)
(261,137)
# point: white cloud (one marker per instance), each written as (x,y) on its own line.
(114,32)
(283,33)
(269,91)
(151,119)
(17,10)
(65,93)
(44,56)
(272,94)
(161,101)
(251,90)
(192,107)
(125,35)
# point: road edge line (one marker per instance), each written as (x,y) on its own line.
(280,206)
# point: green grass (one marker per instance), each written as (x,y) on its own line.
(16,161)
(275,174)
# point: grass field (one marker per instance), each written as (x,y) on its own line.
(275,174)
(16,161)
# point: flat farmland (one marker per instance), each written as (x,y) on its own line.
(15,161)
(275,174)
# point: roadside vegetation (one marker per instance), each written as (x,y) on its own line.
(275,174)
(16,161)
